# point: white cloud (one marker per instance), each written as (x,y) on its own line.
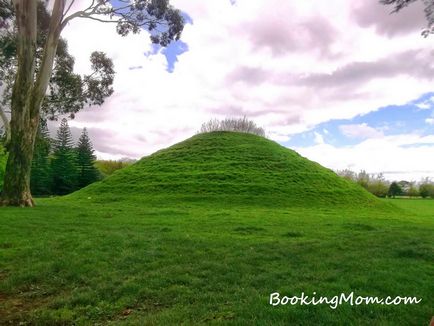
(360,131)
(426,105)
(407,157)
(319,139)
(152,108)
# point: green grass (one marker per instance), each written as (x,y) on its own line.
(170,258)
(64,262)
(227,165)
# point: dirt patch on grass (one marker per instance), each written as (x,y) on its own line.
(16,309)
(6,245)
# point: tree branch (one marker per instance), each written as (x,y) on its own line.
(82,13)
(69,7)
(99,19)
(46,67)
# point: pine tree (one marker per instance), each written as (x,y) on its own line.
(87,172)
(40,178)
(64,162)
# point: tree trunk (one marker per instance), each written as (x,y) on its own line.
(27,96)
(16,186)
(6,125)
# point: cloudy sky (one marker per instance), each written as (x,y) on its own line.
(342,82)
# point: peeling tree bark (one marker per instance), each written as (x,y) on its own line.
(27,96)
(6,126)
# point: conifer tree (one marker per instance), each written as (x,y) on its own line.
(87,172)
(64,162)
(40,178)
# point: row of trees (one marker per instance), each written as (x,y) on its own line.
(59,167)
(380,187)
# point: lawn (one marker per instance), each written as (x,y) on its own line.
(205,231)
(71,261)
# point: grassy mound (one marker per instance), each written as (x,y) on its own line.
(230,166)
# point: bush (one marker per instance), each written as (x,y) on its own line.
(3,160)
(374,183)
(426,189)
(232,124)
(108,167)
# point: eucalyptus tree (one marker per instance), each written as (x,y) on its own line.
(36,70)
(429,11)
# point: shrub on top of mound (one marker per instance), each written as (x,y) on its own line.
(232,124)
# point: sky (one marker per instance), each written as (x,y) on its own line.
(344,83)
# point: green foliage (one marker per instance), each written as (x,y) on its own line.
(64,162)
(67,91)
(374,183)
(412,190)
(108,167)
(3,161)
(40,179)
(363,179)
(163,22)
(394,189)
(429,11)
(426,188)
(87,172)
(230,166)
(378,186)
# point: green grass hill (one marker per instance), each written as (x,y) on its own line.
(229,166)
(204,231)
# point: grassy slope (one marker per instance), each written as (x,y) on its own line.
(178,261)
(235,166)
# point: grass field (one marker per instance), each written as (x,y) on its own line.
(174,260)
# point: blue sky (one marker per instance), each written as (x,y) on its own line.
(172,51)
(411,118)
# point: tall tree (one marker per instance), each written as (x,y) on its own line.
(30,41)
(87,172)
(429,11)
(394,190)
(426,188)
(40,178)
(64,162)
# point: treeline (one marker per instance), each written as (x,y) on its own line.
(380,187)
(59,166)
